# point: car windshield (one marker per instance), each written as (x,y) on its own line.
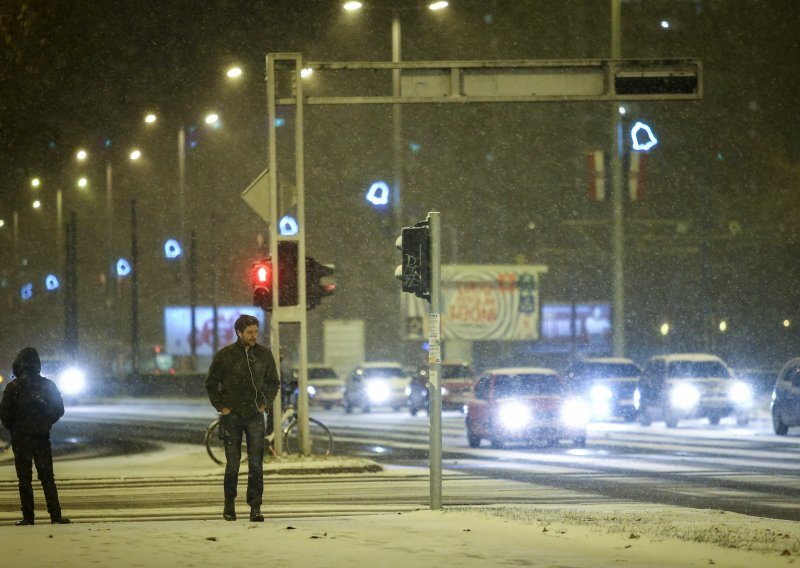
(321,374)
(455,372)
(608,371)
(697,370)
(527,385)
(383,373)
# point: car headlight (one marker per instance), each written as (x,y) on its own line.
(72,381)
(684,397)
(637,398)
(601,393)
(740,393)
(312,392)
(377,391)
(576,412)
(408,391)
(445,392)
(514,415)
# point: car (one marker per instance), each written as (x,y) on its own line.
(455,382)
(525,405)
(608,384)
(691,385)
(71,378)
(325,387)
(785,405)
(380,383)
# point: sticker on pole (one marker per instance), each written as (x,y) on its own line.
(434,327)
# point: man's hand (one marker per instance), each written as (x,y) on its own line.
(225,410)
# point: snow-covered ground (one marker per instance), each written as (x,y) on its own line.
(588,535)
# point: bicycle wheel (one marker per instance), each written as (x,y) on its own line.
(215,445)
(321,438)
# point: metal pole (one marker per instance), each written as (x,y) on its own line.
(618,238)
(435,362)
(214,285)
(60,225)
(275,343)
(302,401)
(134,294)
(182,179)
(397,161)
(193,300)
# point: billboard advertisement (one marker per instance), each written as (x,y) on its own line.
(483,302)
(177,327)
(582,327)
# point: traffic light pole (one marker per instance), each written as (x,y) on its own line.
(435,361)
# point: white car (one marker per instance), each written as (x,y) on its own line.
(380,383)
(325,388)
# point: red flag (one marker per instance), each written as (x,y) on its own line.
(637,163)
(596,171)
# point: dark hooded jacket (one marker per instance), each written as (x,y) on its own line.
(242,381)
(31,404)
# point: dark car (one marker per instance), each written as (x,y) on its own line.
(455,382)
(525,405)
(691,385)
(608,384)
(785,404)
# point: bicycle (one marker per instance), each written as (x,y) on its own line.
(321,438)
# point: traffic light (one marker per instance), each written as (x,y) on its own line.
(261,278)
(315,288)
(415,271)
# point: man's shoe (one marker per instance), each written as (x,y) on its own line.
(59,520)
(24,522)
(229,512)
(255,515)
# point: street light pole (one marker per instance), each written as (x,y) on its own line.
(618,238)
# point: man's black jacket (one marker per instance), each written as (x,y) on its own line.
(31,405)
(242,380)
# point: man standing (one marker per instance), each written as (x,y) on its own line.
(242,383)
(31,405)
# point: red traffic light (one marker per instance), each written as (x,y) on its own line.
(262,274)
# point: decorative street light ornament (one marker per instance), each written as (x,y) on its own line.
(172,248)
(123,267)
(378,193)
(642,137)
(51,282)
(288,226)
(26,292)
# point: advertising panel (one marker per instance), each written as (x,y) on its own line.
(583,327)
(483,302)
(177,327)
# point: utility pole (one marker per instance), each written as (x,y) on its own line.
(617,215)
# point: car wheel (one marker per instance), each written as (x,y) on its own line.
(670,419)
(644,416)
(365,409)
(497,443)
(580,441)
(473,439)
(714,419)
(777,424)
(743,421)
(629,416)
(327,406)
(412,411)
(348,408)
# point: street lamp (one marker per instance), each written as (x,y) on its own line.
(234,72)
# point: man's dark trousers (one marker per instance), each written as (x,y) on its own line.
(253,429)
(27,452)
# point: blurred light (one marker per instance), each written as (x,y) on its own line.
(123,267)
(36,182)
(2,223)
(83,182)
(352,6)
(306,72)
(72,381)
(642,128)
(81,155)
(172,248)
(622,110)
(664,328)
(288,226)
(135,155)
(279,122)
(150,118)
(786,323)
(723,326)
(234,72)
(26,292)
(441,5)
(51,282)
(378,193)
(37,204)
(212,118)
(415,147)
(665,24)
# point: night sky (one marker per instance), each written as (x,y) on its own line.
(714,237)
